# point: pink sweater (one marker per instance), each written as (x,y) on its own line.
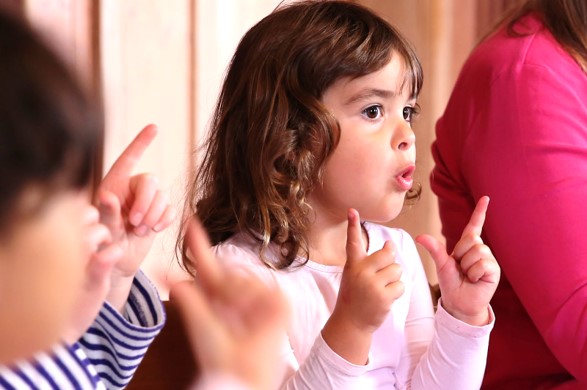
(412,347)
(515,129)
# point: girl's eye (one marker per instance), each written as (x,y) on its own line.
(410,113)
(372,112)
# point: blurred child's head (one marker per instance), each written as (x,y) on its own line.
(271,133)
(49,130)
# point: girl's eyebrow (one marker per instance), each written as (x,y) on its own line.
(368,93)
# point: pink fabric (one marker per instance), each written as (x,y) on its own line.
(412,348)
(515,129)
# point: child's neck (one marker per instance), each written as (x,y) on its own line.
(327,241)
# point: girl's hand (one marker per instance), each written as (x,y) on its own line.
(469,276)
(102,258)
(235,323)
(134,210)
(369,286)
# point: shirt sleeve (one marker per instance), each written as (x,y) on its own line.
(324,369)
(532,161)
(439,348)
(115,344)
(64,367)
(456,355)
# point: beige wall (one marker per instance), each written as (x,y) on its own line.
(161,61)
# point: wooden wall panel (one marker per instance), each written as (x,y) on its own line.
(147,64)
(219,27)
(71,28)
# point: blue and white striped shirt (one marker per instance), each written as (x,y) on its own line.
(107,355)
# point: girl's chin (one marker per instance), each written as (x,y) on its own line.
(381,216)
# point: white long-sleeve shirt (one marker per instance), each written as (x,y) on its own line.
(413,348)
(107,355)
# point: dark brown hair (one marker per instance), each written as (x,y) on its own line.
(565,19)
(49,128)
(271,135)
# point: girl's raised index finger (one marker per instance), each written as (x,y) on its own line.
(355,247)
(475,225)
(125,163)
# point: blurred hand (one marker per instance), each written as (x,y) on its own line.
(102,258)
(235,323)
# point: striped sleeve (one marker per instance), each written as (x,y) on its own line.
(63,368)
(115,344)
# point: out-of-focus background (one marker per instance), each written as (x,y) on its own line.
(162,62)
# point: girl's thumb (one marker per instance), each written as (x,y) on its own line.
(436,249)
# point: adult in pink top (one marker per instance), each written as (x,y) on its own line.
(515,128)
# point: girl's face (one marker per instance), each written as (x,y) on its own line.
(372,166)
(42,260)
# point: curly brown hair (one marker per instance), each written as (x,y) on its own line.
(271,135)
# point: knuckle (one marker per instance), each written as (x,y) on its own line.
(472,238)
(397,269)
(400,288)
(148,179)
(164,197)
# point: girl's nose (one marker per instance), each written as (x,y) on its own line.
(404,137)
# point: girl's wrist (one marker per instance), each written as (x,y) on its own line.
(348,341)
(481,318)
(119,291)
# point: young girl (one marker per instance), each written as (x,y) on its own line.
(313,128)
(61,258)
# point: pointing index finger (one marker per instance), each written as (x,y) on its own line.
(355,248)
(125,163)
(475,225)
